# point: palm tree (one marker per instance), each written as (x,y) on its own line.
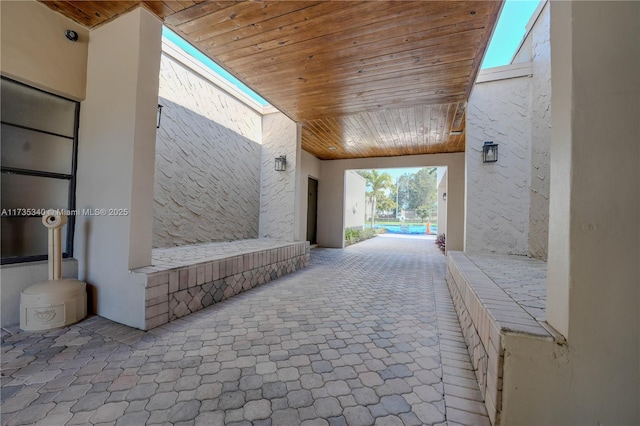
(376,182)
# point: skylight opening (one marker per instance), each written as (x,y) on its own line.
(204,60)
(510,30)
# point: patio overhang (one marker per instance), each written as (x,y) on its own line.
(364,79)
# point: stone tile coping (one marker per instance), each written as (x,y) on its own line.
(521,277)
(186,279)
(164,259)
(501,306)
(489,312)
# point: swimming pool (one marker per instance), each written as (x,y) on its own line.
(408,229)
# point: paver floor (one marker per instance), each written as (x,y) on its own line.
(365,335)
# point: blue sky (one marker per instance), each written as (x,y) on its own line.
(166,32)
(509,32)
(505,40)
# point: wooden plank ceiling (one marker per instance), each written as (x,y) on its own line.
(364,78)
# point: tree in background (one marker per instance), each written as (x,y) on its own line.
(405,192)
(376,183)
(385,203)
(418,189)
(423,212)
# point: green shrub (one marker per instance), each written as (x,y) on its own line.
(369,233)
(355,235)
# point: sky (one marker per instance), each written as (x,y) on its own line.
(509,32)
(506,39)
(176,39)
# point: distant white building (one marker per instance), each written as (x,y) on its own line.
(355,205)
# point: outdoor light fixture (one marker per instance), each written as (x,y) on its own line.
(281,163)
(444,196)
(490,152)
(159,116)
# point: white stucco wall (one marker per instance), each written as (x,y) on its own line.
(524,52)
(331,195)
(35,50)
(279,194)
(116,156)
(540,135)
(498,193)
(208,159)
(355,187)
(531,60)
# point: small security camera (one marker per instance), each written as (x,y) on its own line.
(71,35)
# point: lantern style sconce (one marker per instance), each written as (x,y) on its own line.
(281,163)
(444,196)
(159,115)
(490,152)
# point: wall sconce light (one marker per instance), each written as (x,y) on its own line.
(489,152)
(444,196)
(159,115)
(281,163)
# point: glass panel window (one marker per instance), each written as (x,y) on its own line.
(33,192)
(39,149)
(24,237)
(28,149)
(28,107)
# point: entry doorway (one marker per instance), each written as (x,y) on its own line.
(312,211)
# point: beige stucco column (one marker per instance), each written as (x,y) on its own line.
(116,163)
(594,232)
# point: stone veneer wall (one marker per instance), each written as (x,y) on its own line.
(208,159)
(174,293)
(498,193)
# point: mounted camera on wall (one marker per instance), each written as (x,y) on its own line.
(71,35)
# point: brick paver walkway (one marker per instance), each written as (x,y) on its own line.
(365,335)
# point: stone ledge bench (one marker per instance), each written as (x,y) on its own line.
(185,279)
(489,318)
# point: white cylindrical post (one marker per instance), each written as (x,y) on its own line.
(60,301)
(54,221)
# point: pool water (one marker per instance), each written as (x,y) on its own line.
(407,229)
